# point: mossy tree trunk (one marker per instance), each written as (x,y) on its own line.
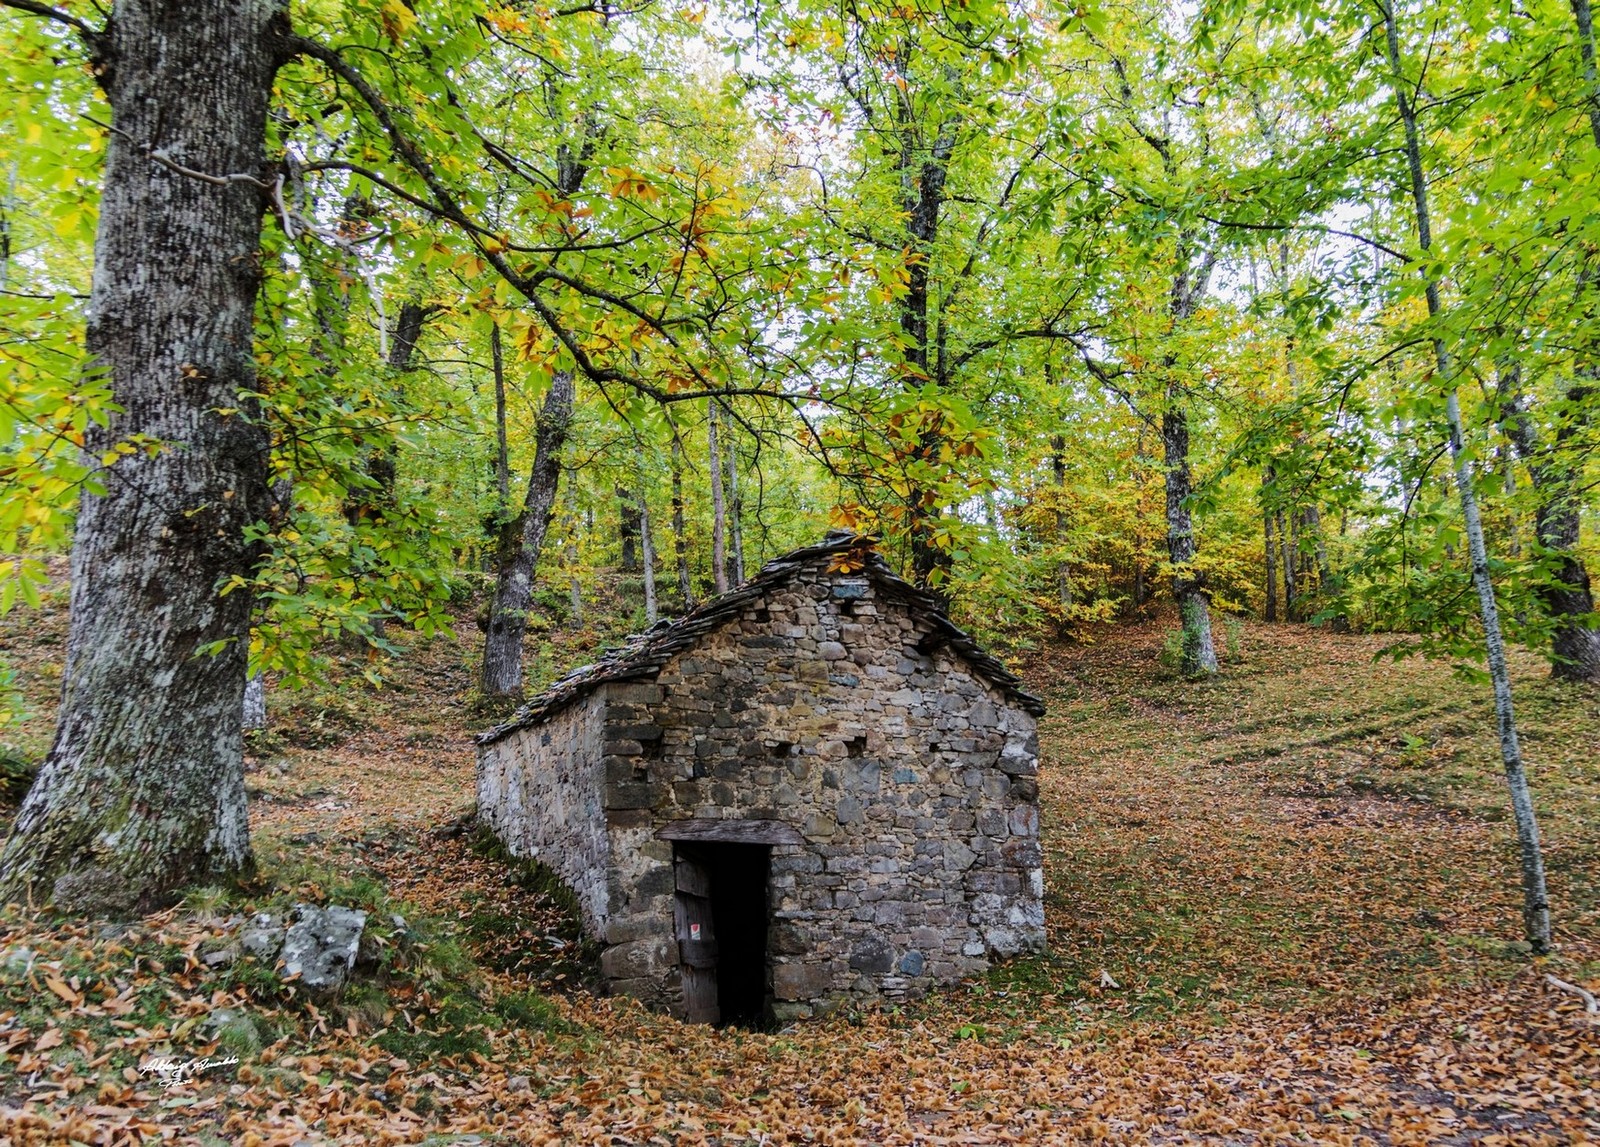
(521,541)
(143,788)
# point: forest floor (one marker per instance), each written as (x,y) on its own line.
(1283,908)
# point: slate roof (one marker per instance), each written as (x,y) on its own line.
(645,654)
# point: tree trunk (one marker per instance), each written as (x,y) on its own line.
(735,511)
(719,515)
(1139,592)
(1535,898)
(1199,656)
(1272,563)
(647,552)
(255,703)
(1291,585)
(1058,464)
(680,542)
(923,164)
(1313,521)
(1302,581)
(502,453)
(570,556)
(375,502)
(143,788)
(1585,20)
(628,530)
(520,543)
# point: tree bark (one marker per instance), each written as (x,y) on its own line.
(647,553)
(502,453)
(574,583)
(628,529)
(924,168)
(1291,584)
(1272,562)
(719,510)
(1199,655)
(1535,897)
(680,542)
(1058,464)
(255,703)
(1188,590)
(520,543)
(735,511)
(1584,17)
(1313,521)
(143,789)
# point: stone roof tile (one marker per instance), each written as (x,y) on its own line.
(645,654)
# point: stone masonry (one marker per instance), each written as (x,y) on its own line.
(843,704)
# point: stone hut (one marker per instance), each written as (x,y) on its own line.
(811,789)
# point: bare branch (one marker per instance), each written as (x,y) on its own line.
(1315,228)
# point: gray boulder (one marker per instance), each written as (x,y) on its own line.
(321,945)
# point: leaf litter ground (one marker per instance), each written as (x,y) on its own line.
(1282,905)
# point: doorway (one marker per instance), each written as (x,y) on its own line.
(721,918)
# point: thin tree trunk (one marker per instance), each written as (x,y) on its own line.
(1199,655)
(1302,582)
(735,510)
(520,543)
(1272,562)
(1291,585)
(255,703)
(680,542)
(1058,464)
(143,788)
(1585,20)
(1535,898)
(570,556)
(647,553)
(1506,457)
(374,503)
(719,517)
(502,454)
(628,530)
(1313,520)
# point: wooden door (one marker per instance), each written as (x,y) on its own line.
(697,944)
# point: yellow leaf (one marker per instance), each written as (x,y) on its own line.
(397,20)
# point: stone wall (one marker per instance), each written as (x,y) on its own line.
(912,780)
(540,792)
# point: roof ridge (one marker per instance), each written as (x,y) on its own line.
(646,652)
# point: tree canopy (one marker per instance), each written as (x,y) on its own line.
(1078,309)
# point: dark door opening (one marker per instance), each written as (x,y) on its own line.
(722,930)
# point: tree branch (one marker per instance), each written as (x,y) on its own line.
(1317,228)
(45,12)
